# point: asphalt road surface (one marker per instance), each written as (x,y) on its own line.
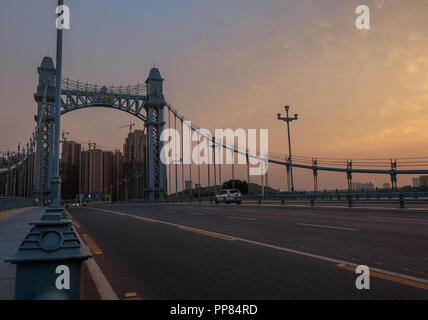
(249,252)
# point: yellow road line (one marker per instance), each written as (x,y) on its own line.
(132,296)
(8,214)
(92,245)
(76,224)
(203,232)
(388,277)
(68,214)
(206,233)
(145,219)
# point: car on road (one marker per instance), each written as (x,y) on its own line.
(75,204)
(228,196)
(84,204)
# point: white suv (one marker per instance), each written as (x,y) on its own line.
(228,196)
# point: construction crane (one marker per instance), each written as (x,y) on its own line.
(64,134)
(130,125)
(91,145)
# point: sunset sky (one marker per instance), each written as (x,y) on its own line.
(235,64)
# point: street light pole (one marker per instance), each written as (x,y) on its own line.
(55,180)
(288,120)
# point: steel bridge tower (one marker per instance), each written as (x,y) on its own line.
(45,98)
(154,105)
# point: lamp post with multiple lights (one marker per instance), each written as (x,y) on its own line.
(288,120)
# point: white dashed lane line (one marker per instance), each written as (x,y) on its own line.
(241,218)
(328,227)
(402,219)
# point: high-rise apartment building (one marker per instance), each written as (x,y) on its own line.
(117,175)
(100,170)
(69,169)
(134,165)
(423,181)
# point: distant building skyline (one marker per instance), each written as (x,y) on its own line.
(97,171)
(363,185)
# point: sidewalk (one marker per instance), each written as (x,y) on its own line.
(14,226)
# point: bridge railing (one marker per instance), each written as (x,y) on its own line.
(311,198)
(7,203)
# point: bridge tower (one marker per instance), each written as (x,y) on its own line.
(154,105)
(45,98)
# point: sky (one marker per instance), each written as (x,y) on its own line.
(235,64)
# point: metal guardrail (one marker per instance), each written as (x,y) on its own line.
(7,203)
(400,198)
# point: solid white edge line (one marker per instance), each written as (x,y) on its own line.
(103,286)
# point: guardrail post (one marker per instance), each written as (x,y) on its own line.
(402,205)
(350,203)
(49,260)
(312,201)
(259,200)
(282,200)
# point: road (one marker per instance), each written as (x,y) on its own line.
(249,252)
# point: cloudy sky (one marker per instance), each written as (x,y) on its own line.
(359,94)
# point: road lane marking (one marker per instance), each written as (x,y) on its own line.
(76,224)
(91,244)
(388,277)
(207,233)
(11,213)
(328,227)
(103,286)
(145,219)
(241,218)
(404,219)
(288,250)
(132,296)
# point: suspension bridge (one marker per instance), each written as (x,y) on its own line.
(25,172)
(249,251)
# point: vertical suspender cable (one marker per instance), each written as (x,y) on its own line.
(169,166)
(199,170)
(209,159)
(190,166)
(182,162)
(175,155)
